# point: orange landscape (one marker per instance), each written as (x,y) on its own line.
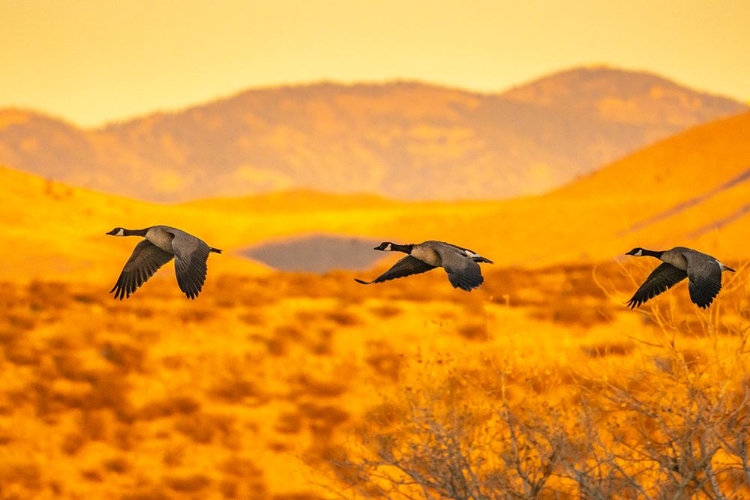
(291,386)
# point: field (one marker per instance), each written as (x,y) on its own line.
(287,386)
(291,386)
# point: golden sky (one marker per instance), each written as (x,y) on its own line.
(94,61)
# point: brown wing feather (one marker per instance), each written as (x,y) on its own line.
(145,260)
(405,267)
(704,277)
(191,269)
(660,280)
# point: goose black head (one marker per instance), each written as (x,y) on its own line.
(118,231)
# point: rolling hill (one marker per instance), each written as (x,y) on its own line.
(402,140)
(266,384)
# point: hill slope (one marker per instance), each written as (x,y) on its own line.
(402,140)
(690,189)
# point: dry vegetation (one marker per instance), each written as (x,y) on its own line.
(295,386)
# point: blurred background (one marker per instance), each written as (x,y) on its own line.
(551,138)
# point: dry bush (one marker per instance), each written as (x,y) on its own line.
(445,439)
(118,465)
(647,433)
(188,484)
(235,385)
(167,407)
(27,475)
(474,331)
(384,360)
(289,423)
(48,297)
(608,349)
(343,318)
(386,311)
(147,493)
(322,418)
(306,385)
(126,356)
(202,427)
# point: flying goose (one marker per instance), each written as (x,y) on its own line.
(703,273)
(460,263)
(161,244)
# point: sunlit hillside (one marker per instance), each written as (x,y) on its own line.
(294,386)
(684,189)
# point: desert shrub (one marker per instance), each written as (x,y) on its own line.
(202,428)
(187,484)
(167,407)
(384,415)
(646,433)
(608,349)
(197,314)
(147,493)
(305,384)
(19,350)
(73,442)
(92,475)
(234,386)
(288,332)
(48,296)
(383,360)
(322,418)
(174,455)
(240,467)
(27,474)
(323,344)
(473,331)
(386,311)
(343,318)
(251,318)
(289,423)
(117,465)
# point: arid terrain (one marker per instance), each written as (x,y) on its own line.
(298,385)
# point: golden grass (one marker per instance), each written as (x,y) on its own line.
(160,397)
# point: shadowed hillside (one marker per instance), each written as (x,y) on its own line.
(402,140)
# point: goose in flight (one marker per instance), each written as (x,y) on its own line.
(702,271)
(460,263)
(161,244)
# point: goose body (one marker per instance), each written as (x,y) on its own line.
(460,263)
(702,270)
(160,245)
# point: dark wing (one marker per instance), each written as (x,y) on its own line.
(405,267)
(704,277)
(141,265)
(463,271)
(660,280)
(191,255)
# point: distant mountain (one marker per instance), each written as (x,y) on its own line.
(404,140)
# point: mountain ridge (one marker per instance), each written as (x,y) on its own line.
(406,140)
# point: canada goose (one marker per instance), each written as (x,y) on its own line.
(460,263)
(703,273)
(161,244)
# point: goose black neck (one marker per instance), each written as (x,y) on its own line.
(134,232)
(402,248)
(653,253)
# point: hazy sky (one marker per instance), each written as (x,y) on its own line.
(93,61)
